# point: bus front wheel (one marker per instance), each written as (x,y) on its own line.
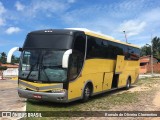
(86,93)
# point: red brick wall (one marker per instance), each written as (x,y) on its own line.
(143,69)
(156,68)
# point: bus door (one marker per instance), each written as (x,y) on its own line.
(118,71)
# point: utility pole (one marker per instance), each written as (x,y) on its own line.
(125,36)
(151,57)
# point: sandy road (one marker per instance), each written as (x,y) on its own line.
(9,99)
(148,100)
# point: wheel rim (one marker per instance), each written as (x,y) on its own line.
(128,84)
(87,92)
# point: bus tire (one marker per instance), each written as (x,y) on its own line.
(128,85)
(86,93)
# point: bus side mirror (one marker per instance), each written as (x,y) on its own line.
(66,58)
(10,53)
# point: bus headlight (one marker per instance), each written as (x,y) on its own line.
(58,90)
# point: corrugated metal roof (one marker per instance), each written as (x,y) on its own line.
(10,66)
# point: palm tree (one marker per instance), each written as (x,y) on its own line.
(156,47)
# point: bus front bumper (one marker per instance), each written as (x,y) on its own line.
(44,96)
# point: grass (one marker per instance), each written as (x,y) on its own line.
(147,81)
(102,102)
(99,102)
(144,81)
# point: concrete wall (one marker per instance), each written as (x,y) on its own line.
(11,72)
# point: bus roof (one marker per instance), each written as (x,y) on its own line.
(99,35)
(70,31)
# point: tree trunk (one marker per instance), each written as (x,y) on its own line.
(2,75)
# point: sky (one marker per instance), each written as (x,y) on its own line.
(140,19)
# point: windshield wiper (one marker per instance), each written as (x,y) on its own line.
(42,66)
(30,71)
(33,66)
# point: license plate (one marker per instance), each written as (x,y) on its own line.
(37,96)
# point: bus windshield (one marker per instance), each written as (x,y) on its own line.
(43,65)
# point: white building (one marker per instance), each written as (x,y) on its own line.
(12,70)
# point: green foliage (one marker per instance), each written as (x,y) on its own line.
(156,47)
(146,49)
(3,68)
(14,60)
(3,58)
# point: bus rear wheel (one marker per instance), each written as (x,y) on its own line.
(128,85)
(86,93)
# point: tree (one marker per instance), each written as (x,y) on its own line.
(14,59)
(2,68)
(3,57)
(145,50)
(156,47)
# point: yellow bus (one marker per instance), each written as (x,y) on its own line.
(63,65)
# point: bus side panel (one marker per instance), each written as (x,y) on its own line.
(93,71)
(98,66)
(101,71)
(76,87)
(119,64)
(107,83)
(123,78)
(97,80)
(131,68)
(136,74)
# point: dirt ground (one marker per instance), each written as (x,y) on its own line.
(150,95)
(149,100)
(9,99)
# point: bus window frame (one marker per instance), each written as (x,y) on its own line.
(81,34)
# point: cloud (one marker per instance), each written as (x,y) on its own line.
(145,24)
(152,19)
(103,17)
(2,9)
(12,30)
(2,22)
(132,27)
(46,7)
(19,6)
(71,1)
(36,9)
(113,18)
